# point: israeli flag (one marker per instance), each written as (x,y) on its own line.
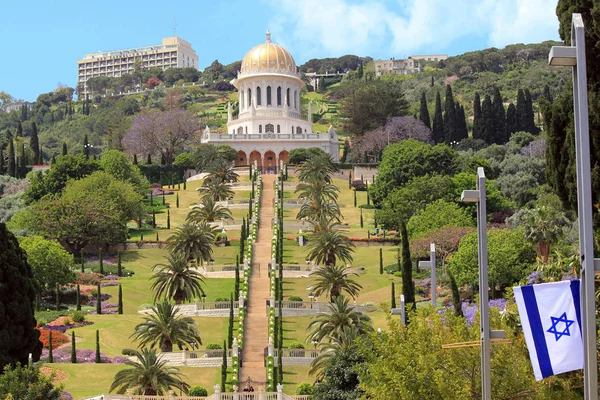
(551,319)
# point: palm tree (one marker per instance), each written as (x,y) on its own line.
(176,280)
(329,348)
(319,201)
(332,280)
(209,211)
(319,213)
(164,327)
(327,245)
(194,241)
(330,324)
(317,189)
(317,167)
(216,189)
(149,376)
(221,172)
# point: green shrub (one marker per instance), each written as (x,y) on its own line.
(49,315)
(295,298)
(398,274)
(78,317)
(304,389)
(197,391)
(218,299)
(296,345)
(128,352)
(67,321)
(213,346)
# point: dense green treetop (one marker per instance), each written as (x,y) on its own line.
(50,263)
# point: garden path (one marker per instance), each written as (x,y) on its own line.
(256,335)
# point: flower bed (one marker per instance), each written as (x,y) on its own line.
(58,337)
(84,356)
(64,327)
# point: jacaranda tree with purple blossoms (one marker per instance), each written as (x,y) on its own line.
(158,132)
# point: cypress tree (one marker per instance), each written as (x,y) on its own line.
(424,112)
(368,197)
(438,121)
(101,261)
(168,218)
(78,299)
(242,238)
(157,236)
(177,199)
(119,266)
(86,147)
(149,160)
(120,304)
(230,331)
(408,287)
(393,295)
(135,161)
(99,302)
(236,288)
(511,120)
(34,143)
(1,161)
(456,301)
(477,117)
(361,218)
(344,152)
(50,355)
(23,163)
(431,80)
(153,218)
(73,349)
(12,165)
(224,366)
(380,261)
(450,133)
(487,119)
(529,114)
(461,123)
(19,130)
(547,94)
(355,198)
(64,149)
(184,185)
(98,359)
(141,236)
(349,180)
(82,261)
(499,118)
(151,198)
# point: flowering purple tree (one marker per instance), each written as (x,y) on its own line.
(394,130)
(161,132)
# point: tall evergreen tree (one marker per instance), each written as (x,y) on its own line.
(529,114)
(120,303)
(64,149)
(461,123)
(393,295)
(477,117)
(73,349)
(78,299)
(19,129)
(424,112)
(511,120)
(499,119)
(438,121)
(35,143)
(86,147)
(98,360)
(521,111)
(450,132)
(12,164)
(149,160)
(547,94)
(22,163)
(236,287)
(1,161)
(135,161)
(17,293)
(487,120)
(380,261)
(230,328)
(408,286)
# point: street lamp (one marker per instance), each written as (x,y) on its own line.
(574,56)
(431,264)
(203,300)
(311,297)
(478,196)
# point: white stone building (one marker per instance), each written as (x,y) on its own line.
(270,122)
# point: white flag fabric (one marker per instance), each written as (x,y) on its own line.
(551,319)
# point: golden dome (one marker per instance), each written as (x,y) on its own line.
(268,57)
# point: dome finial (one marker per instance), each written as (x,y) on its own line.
(268,36)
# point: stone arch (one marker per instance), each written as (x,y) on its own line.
(240,130)
(283,156)
(270,161)
(256,156)
(242,159)
(258,96)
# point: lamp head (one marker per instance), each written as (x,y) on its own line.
(562,56)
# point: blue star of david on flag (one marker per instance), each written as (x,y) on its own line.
(556,321)
(551,319)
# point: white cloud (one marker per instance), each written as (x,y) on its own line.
(317,28)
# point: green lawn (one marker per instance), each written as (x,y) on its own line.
(85,380)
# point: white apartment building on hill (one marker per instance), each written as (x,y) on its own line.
(173,52)
(410,65)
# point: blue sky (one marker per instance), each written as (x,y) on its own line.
(43,39)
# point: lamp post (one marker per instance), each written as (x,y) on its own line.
(431,264)
(311,297)
(478,196)
(203,300)
(574,56)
